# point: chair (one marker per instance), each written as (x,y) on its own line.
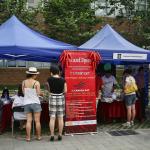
(18,115)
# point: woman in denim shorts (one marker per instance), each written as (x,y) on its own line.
(32,106)
(129,97)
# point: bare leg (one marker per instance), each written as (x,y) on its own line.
(22,124)
(128,113)
(38,124)
(61,125)
(28,126)
(52,125)
(133,112)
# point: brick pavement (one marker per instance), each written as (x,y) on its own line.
(101,141)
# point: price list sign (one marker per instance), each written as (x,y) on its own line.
(80,98)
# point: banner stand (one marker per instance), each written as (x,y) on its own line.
(80,104)
(70,134)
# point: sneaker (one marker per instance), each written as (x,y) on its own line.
(132,123)
(52,138)
(127,124)
(59,137)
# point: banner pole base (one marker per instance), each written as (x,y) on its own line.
(72,134)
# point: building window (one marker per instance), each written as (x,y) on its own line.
(1,63)
(14,63)
(30,1)
(21,63)
(40,65)
(11,63)
(46,65)
(35,64)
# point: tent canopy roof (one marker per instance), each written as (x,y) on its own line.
(17,39)
(107,41)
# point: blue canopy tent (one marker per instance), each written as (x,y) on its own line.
(18,42)
(113,48)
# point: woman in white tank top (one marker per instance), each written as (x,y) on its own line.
(32,106)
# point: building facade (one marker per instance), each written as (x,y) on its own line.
(13,72)
(105,7)
(32,3)
(15,76)
(23,64)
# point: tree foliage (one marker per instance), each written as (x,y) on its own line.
(137,13)
(71,21)
(74,21)
(18,8)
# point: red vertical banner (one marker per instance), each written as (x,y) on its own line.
(80,98)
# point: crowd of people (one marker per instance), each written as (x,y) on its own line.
(132,88)
(29,92)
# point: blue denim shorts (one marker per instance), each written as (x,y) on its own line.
(130,99)
(31,108)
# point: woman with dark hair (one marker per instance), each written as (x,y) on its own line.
(1,106)
(20,92)
(5,93)
(32,107)
(57,87)
(18,102)
(140,80)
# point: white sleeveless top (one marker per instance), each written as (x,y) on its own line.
(30,96)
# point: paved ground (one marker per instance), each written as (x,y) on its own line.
(101,141)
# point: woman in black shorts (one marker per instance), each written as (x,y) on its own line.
(57,87)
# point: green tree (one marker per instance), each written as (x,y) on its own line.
(72,21)
(18,8)
(137,13)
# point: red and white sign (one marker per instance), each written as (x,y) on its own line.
(80,98)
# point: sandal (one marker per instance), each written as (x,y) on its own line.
(38,138)
(28,140)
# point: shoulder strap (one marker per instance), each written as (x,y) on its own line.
(24,83)
(34,84)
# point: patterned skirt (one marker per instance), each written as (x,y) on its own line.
(56,105)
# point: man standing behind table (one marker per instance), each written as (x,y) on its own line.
(1,106)
(98,85)
(109,83)
(141,89)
